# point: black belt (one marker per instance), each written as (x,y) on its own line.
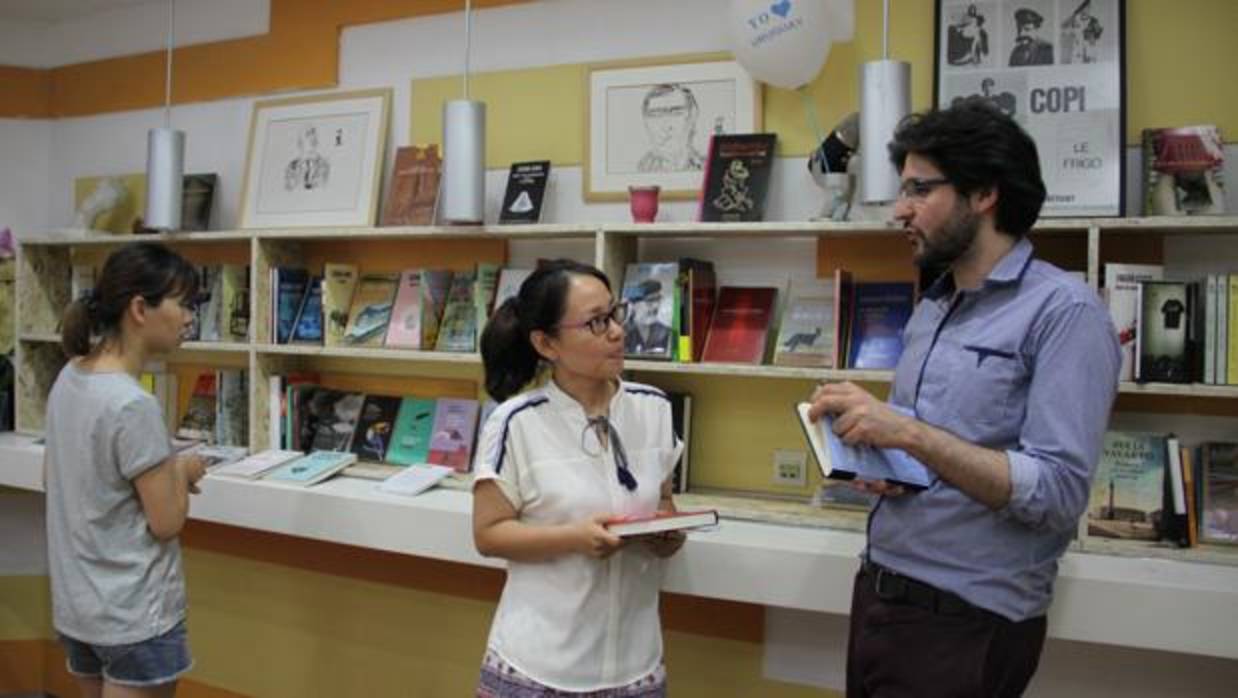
(893,587)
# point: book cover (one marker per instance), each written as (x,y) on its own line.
(455,425)
(1183,171)
(375,426)
(485,285)
(740,328)
(681,420)
(257,465)
(661,521)
(414,480)
(232,407)
(435,284)
(234,308)
(1230,357)
(510,280)
(1219,514)
(210,303)
(844,289)
(526,186)
(737,177)
(216,457)
(410,438)
(334,415)
(649,290)
(197,201)
(312,469)
(1128,488)
(339,282)
(701,297)
(404,330)
(371,309)
(1160,334)
(415,178)
(806,333)
(307,327)
(879,311)
(840,461)
(290,286)
(458,329)
(198,422)
(1121,293)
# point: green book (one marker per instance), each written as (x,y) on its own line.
(410,439)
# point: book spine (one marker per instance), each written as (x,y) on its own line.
(1210,329)
(1231,345)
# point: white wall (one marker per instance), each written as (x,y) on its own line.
(805,648)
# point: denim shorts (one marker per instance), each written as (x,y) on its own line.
(154,662)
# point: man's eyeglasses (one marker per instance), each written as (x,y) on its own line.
(598,324)
(917,189)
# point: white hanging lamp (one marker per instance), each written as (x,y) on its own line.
(165,155)
(885,98)
(464,150)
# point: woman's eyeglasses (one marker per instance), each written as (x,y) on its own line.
(598,324)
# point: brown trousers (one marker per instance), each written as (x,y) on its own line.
(898,647)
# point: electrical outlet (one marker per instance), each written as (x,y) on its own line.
(790,467)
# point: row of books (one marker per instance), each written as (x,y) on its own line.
(433,309)
(1174,331)
(218,408)
(676,312)
(1151,487)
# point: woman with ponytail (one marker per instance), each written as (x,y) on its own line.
(579,611)
(117,494)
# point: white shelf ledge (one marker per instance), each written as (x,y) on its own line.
(1160,604)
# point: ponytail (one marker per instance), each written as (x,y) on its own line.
(508,355)
(77,327)
(506,350)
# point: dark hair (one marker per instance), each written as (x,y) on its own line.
(146,269)
(978,148)
(508,355)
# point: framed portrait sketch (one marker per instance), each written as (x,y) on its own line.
(1058,68)
(315,160)
(649,124)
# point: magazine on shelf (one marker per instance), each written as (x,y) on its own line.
(312,469)
(257,465)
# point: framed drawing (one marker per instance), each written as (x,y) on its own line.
(315,160)
(650,123)
(1057,67)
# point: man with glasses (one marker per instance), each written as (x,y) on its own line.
(644,333)
(1003,391)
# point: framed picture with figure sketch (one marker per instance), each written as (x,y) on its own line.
(315,160)
(1057,67)
(649,123)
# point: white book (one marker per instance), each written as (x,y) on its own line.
(662,521)
(1122,296)
(219,456)
(415,479)
(312,469)
(255,466)
(275,411)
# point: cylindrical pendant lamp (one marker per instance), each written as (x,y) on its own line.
(165,155)
(165,177)
(885,98)
(464,161)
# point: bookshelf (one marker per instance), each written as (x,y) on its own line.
(723,469)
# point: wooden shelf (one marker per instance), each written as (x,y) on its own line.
(77,238)
(48,337)
(1179,389)
(761,371)
(369,353)
(504,232)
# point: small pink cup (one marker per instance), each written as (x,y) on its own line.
(644,203)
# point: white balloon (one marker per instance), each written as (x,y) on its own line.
(780,42)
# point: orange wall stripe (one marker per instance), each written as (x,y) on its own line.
(731,620)
(26,93)
(300,52)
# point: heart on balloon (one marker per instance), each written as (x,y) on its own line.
(782,9)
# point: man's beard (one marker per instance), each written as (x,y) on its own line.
(951,242)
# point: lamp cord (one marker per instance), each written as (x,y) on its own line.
(167,83)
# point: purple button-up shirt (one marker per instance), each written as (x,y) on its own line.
(1027,364)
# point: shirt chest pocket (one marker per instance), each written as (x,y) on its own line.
(990,386)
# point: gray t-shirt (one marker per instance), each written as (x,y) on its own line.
(112,581)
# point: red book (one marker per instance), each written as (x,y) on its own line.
(741,323)
(661,521)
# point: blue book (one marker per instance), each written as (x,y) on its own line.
(308,325)
(840,461)
(290,284)
(879,311)
(312,469)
